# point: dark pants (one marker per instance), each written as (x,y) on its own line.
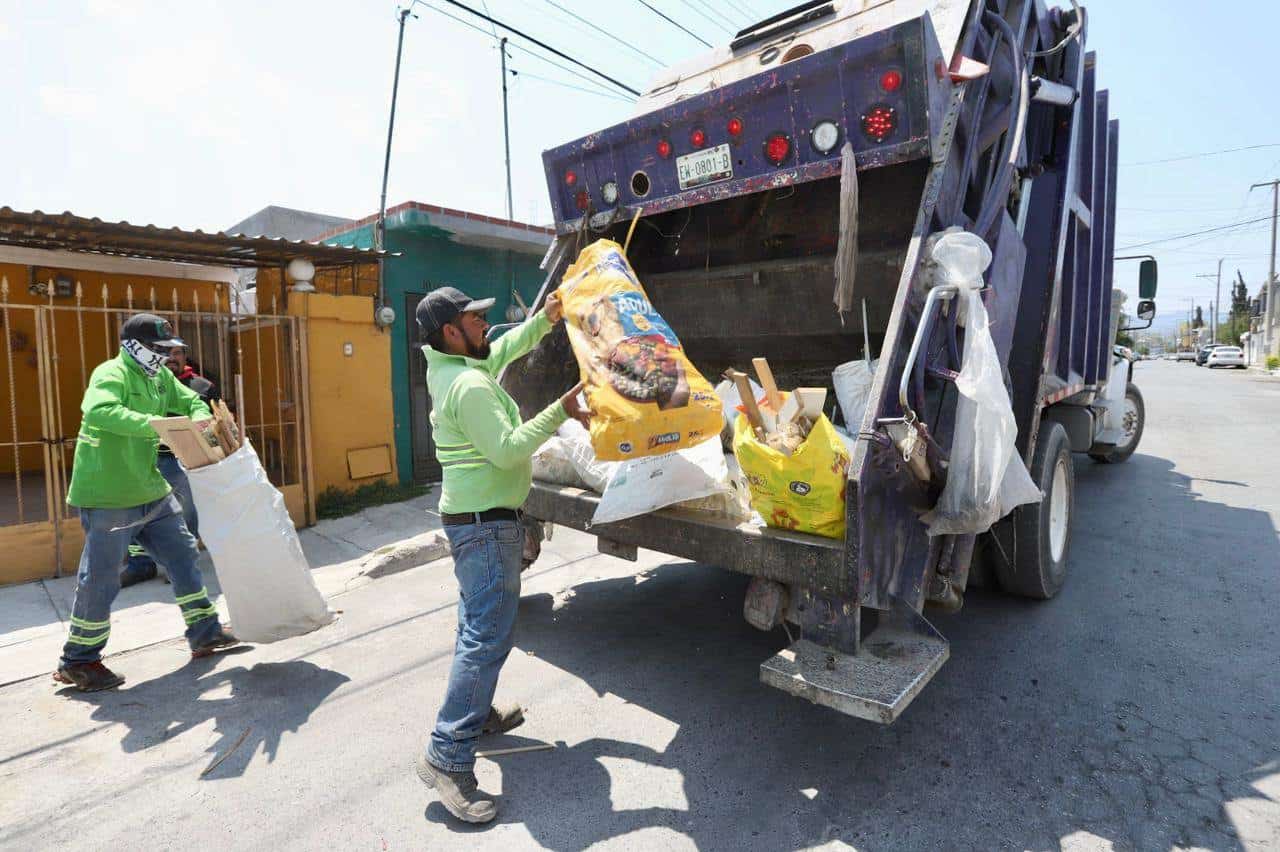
(141,565)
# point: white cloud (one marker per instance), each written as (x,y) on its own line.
(68,103)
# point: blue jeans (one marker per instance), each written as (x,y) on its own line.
(161,530)
(140,561)
(486,561)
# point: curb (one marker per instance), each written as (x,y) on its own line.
(404,555)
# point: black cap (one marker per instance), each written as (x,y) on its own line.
(150,330)
(439,307)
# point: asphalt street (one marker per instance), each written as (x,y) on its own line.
(1138,710)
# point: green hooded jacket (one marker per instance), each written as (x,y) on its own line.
(115,463)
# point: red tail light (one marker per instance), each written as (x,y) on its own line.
(583,200)
(777,148)
(664,148)
(570,177)
(891,81)
(735,127)
(879,121)
(698,138)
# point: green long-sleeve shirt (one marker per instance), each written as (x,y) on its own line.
(483,448)
(115,462)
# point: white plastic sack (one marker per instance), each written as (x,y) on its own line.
(594,473)
(255,548)
(733,504)
(551,463)
(729,402)
(647,484)
(986,477)
(852,381)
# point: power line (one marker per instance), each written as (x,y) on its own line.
(675,24)
(608,34)
(706,17)
(1196,233)
(597,92)
(544,46)
(1203,154)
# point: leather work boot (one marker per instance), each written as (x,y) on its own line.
(222,639)
(502,719)
(458,792)
(88,677)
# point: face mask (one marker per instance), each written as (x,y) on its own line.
(148,359)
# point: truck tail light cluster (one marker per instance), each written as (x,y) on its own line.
(879,121)
(777,148)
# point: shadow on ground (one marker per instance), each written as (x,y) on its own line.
(1134,707)
(250,707)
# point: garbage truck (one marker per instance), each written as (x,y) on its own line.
(983,117)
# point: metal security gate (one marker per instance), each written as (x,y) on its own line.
(51,350)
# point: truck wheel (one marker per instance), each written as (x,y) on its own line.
(1133,420)
(1044,529)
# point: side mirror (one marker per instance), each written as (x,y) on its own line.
(1146,310)
(1148,278)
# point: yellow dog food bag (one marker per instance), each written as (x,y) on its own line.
(805,491)
(645,396)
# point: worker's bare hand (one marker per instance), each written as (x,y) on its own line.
(575,409)
(553,308)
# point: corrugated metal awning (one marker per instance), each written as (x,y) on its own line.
(68,232)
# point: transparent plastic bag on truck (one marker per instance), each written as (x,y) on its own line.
(986,477)
(852,382)
(263,573)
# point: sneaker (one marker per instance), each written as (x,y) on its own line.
(222,639)
(88,677)
(503,719)
(458,792)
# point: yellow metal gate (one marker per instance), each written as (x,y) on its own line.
(256,361)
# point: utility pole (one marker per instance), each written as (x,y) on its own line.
(506,127)
(1271,279)
(380,231)
(1216,308)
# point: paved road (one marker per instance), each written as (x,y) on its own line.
(1137,710)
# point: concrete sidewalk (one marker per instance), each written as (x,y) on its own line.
(344,553)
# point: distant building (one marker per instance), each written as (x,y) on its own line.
(281,222)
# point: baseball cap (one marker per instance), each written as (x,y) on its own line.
(149,330)
(439,307)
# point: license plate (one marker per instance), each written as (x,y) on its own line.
(701,167)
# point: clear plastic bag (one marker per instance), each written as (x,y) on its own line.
(852,382)
(986,477)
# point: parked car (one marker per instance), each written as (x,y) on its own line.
(1185,355)
(1226,356)
(1202,357)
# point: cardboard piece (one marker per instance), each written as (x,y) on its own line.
(188,443)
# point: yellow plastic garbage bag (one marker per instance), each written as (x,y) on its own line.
(803,492)
(645,396)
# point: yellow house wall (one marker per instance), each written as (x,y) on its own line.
(350,394)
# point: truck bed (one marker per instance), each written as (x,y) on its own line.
(788,557)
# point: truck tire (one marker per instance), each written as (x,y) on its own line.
(1043,529)
(1134,420)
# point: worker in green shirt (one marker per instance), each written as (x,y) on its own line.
(485,453)
(121,495)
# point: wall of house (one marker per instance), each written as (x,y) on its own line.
(349,381)
(429,259)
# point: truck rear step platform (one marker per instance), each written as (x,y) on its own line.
(893,663)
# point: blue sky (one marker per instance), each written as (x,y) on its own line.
(199,114)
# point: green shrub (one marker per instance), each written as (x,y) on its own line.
(1273,362)
(336,503)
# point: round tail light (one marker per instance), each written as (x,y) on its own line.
(570,177)
(777,148)
(664,148)
(891,81)
(879,121)
(698,138)
(735,127)
(583,200)
(609,192)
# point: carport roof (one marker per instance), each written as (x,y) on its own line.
(69,232)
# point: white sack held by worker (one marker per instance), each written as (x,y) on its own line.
(986,477)
(261,568)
